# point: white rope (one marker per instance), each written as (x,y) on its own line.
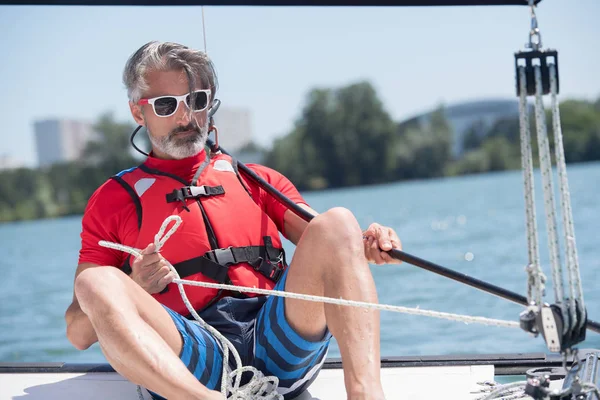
(570,305)
(591,388)
(509,391)
(536,278)
(549,204)
(321,299)
(352,303)
(572,260)
(261,387)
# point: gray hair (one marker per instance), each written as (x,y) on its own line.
(167,56)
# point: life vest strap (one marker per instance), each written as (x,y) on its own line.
(215,263)
(264,259)
(193,192)
(208,268)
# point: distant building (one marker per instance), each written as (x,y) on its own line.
(235,128)
(7,162)
(480,113)
(61,140)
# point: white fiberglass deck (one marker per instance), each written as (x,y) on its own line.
(447,382)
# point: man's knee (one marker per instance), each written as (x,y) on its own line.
(337,224)
(94,284)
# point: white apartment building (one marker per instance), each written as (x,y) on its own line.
(61,140)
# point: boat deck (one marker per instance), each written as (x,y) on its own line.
(408,377)
(399,383)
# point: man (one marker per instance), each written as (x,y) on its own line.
(230,234)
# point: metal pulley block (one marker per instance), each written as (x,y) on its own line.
(531,59)
(549,321)
(550,324)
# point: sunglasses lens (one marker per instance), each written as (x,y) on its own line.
(165,106)
(200,100)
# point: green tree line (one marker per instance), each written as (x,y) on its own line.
(343,137)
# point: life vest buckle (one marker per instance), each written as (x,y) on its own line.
(267,268)
(223,257)
(193,192)
(276,274)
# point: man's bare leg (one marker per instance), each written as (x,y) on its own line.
(329,261)
(136,334)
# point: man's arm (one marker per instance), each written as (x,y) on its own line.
(80,331)
(150,271)
(294,225)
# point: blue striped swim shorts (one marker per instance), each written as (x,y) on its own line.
(258,329)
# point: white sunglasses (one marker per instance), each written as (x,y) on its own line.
(165,106)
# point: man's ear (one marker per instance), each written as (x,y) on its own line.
(136,112)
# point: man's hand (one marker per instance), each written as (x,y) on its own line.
(151,270)
(377,240)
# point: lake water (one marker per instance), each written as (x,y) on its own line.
(473,224)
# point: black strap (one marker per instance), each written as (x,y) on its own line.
(247,254)
(134,197)
(193,265)
(215,264)
(193,192)
(138,209)
(265,259)
(209,267)
(202,264)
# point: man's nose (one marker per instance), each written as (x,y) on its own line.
(183,114)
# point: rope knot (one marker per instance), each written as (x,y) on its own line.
(536,279)
(161,237)
(260,387)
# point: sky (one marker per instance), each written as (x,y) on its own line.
(67,61)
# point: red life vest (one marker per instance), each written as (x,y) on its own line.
(224,237)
